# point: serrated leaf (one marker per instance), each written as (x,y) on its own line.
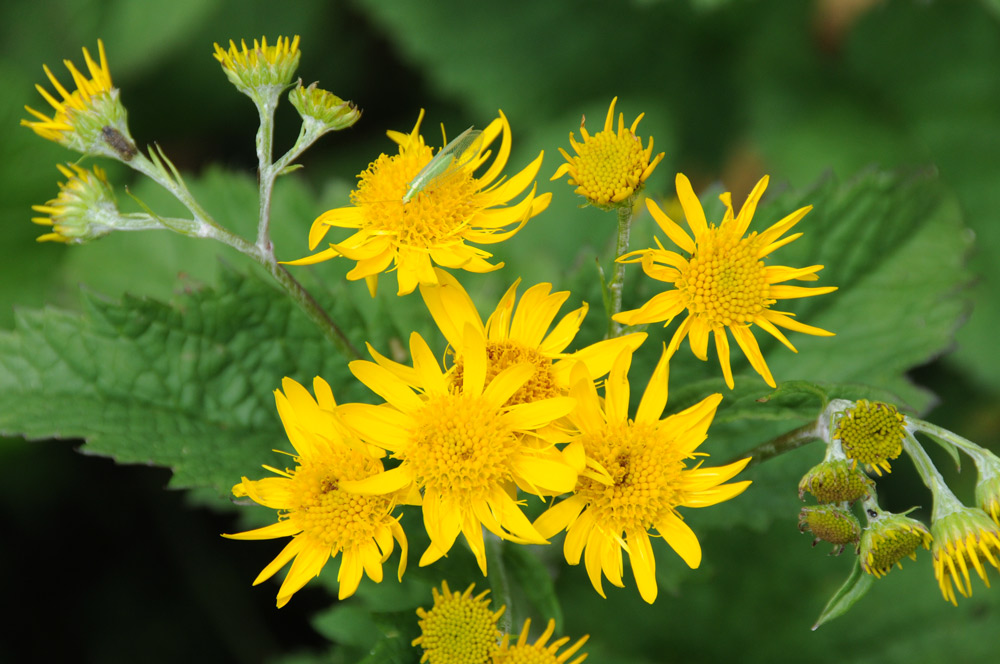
(188,385)
(858,583)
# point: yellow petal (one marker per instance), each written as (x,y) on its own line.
(681,539)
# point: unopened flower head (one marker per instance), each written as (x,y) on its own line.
(836,481)
(539,652)
(84,210)
(964,536)
(724,282)
(871,433)
(888,539)
(465,450)
(988,485)
(322,519)
(403,219)
(830,523)
(90,118)
(645,477)
(323,108)
(610,166)
(262,70)
(459,628)
(519,332)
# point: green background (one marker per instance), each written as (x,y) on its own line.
(875,114)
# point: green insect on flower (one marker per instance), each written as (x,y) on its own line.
(449,160)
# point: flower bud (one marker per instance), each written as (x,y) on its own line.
(830,523)
(872,433)
(323,107)
(836,482)
(888,539)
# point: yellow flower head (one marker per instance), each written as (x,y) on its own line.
(84,210)
(888,539)
(872,433)
(459,628)
(411,229)
(835,482)
(539,652)
(313,509)
(261,67)
(724,282)
(610,166)
(647,478)
(323,107)
(465,449)
(90,119)
(520,332)
(967,533)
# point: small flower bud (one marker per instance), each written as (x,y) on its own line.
(988,497)
(323,107)
(84,210)
(261,69)
(830,523)
(888,539)
(836,482)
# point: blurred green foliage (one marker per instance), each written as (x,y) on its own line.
(885,116)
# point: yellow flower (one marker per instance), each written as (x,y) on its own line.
(888,539)
(516,333)
(466,450)
(610,166)
(84,210)
(459,628)
(313,509)
(647,478)
(436,224)
(538,652)
(957,537)
(323,108)
(262,67)
(90,119)
(871,433)
(724,283)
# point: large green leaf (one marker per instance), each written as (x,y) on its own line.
(187,386)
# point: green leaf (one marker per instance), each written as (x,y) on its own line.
(533,579)
(857,584)
(188,385)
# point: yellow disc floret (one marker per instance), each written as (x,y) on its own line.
(872,433)
(725,282)
(504,354)
(461,448)
(459,628)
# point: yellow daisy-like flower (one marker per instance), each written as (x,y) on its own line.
(647,478)
(459,628)
(872,433)
(520,332)
(610,166)
(90,119)
(313,509)
(262,66)
(725,282)
(539,652)
(966,533)
(466,449)
(436,224)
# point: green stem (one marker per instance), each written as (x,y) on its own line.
(786,442)
(265,174)
(617,281)
(208,228)
(499,582)
(964,444)
(945,502)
